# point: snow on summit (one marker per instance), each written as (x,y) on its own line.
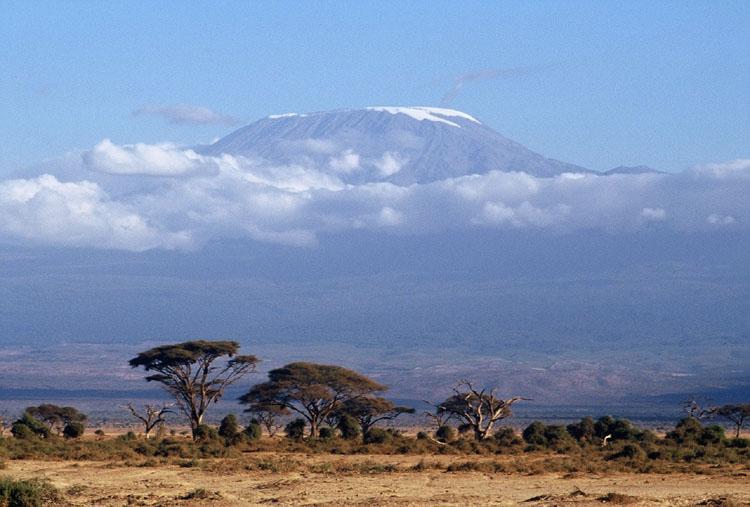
(436,114)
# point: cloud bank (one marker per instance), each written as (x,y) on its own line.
(140,197)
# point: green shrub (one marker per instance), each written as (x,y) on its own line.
(739,443)
(229,429)
(583,431)
(506,437)
(446,433)
(28,493)
(378,436)
(422,435)
(253,431)
(205,432)
(629,451)
(73,430)
(713,434)
(349,427)
(326,433)
(295,429)
(687,430)
(534,434)
(29,427)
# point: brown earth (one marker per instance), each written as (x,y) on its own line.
(368,480)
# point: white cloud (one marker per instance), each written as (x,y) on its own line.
(143,159)
(653,214)
(46,211)
(186,114)
(389,164)
(346,162)
(716,219)
(739,169)
(112,200)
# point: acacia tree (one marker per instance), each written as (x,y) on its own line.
(151,416)
(56,418)
(267,414)
(478,410)
(314,391)
(195,373)
(369,410)
(738,414)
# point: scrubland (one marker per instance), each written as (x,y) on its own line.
(545,465)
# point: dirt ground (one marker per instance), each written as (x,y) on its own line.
(213,483)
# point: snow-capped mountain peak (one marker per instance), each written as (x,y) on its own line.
(421,113)
(400,145)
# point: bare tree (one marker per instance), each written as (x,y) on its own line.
(151,416)
(693,407)
(478,410)
(189,372)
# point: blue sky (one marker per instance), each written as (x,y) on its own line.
(594,83)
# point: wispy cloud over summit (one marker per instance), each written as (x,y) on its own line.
(186,114)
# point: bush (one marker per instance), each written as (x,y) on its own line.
(28,427)
(422,435)
(506,437)
(30,493)
(686,430)
(619,429)
(253,431)
(349,427)
(326,433)
(295,429)
(713,434)
(378,436)
(582,431)
(229,430)
(74,429)
(534,434)
(204,433)
(629,451)
(446,433)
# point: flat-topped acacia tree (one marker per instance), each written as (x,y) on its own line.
(314,391)
(195,373)
(369,410)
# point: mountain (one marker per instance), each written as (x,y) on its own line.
(401,145)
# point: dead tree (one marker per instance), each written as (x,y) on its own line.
(477,410)
(151,417)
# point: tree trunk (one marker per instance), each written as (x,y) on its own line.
(314,428)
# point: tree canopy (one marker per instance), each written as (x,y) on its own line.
(738,414)
(314,391)
(369,410)
(56,418)
(192,374)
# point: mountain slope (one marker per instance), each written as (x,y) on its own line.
(395,144)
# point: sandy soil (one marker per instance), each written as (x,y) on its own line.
(106,484)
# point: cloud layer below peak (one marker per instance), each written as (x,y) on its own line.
(139,197)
